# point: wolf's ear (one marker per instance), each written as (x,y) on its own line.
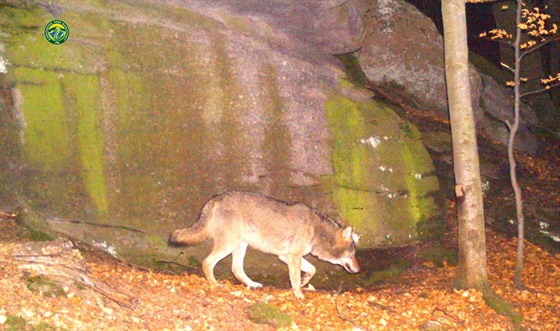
(347,234)
(355,237)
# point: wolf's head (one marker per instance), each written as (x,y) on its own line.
(339,250)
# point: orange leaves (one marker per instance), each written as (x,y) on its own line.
(497,34)
(417,299)
(538,31)
(550,79)
(537,26)
(512,84)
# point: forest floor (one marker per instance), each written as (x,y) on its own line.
(419,299)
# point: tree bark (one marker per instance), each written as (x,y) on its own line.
(471,270)
(511,157)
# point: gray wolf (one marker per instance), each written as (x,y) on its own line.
(235,220)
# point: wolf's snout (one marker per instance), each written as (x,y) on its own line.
(352,267)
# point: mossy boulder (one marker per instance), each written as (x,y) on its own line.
(384,181)
(118,136)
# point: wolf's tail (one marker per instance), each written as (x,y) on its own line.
(197,233)
(188,236)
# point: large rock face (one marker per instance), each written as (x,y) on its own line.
(326,26)
(403,48)
(120,135)
(497,103)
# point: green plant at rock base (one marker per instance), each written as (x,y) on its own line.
(262,313)
(45,286)
(18,323)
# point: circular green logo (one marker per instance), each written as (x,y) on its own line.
(56,32)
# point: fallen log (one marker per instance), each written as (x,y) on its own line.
(59,258)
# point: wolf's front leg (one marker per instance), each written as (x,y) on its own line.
(307,268)
(294,269)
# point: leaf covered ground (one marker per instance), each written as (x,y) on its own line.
(419,299)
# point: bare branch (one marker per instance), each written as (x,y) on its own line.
(480,1)
(531,50)
(450,315)
(507,67)
(548,87)
(342,317)
(97,225)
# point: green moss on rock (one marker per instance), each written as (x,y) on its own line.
(46,135)
(383,177)
(34,227)
(81,95)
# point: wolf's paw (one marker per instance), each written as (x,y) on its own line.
(298,294)
(310,288)
(254,285)
(216,285)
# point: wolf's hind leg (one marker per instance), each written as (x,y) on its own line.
(219,251)
(309,271)
(237,267)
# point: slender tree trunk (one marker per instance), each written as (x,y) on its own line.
(471,271)
(511,157)
(532,69)
(554,53)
